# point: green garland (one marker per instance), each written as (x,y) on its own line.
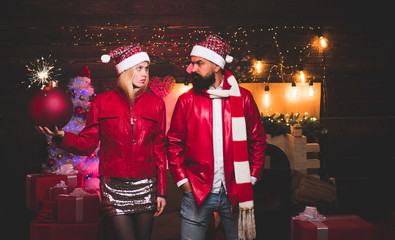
(276,125)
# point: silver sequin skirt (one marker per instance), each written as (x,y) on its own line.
(127,195)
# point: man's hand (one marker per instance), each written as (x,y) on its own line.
(46,131)
(161,201)
(187,187)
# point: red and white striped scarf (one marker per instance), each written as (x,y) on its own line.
(240,152)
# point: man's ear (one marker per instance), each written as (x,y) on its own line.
(217,69)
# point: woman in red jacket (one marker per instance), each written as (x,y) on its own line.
(129,123)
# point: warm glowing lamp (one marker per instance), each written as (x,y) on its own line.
(267,97)
(294,91)
(311,90)
(259,67)
(186,86)
(323,41)
(302,76)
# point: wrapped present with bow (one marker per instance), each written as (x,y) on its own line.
(59,188)
(310,225)
(37,185)
(77,207)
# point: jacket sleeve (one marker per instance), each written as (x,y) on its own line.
(256,136)
(159,151)
(176,142)
(87,140)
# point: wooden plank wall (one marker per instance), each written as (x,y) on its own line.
(359,116)
(358,58)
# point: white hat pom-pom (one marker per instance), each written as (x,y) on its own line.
(228,59)
(105,58)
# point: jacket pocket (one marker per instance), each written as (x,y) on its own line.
(150,116)
(109,120)
(149,122)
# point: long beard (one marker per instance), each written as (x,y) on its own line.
(200,83)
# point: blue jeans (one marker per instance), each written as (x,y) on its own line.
(194,220)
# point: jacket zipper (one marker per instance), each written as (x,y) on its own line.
(131,119)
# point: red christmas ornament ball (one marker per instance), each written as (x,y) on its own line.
(78,110)
(51,107)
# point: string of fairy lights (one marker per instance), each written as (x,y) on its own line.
(300,50)
(172,44)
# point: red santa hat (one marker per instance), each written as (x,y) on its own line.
(215,49)
(84,72)
(126,57)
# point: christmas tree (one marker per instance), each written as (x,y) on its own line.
(81,93)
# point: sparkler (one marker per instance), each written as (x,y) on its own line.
(41,72)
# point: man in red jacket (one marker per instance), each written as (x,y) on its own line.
(216,146)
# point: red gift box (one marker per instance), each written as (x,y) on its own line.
(56,231)
(37,186)
(49,205)
(335,227)
(78,206)
(53,192)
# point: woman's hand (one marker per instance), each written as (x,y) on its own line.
(161,201)
(46,131)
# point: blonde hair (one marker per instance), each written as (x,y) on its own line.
(125,82)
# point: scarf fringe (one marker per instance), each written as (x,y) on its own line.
(247,229)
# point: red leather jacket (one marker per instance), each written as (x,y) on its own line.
(125,151)
(190,142)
